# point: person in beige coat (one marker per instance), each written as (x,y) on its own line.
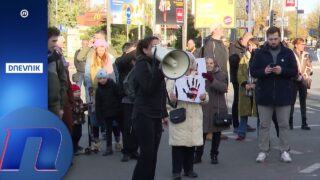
(184,136)
(216,86)
(300,83)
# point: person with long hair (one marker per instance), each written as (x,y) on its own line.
(149,108)
(100,59)
(247,103)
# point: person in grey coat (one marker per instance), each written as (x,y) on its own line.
(216,86)
(215,49)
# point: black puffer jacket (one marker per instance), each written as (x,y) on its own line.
(236,52)
(151,96)
(107,100)
(124,65)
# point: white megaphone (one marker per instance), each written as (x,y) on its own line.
(174,63)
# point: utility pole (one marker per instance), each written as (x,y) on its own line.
(282,19)
(107,8)
(56,16)
(185,25)
(297,20)
(270,12)
(250,24)
(270,19)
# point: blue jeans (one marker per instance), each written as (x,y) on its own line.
(242,129)
(81,79)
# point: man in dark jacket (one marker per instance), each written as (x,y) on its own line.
(237,50)
(274,66)
(124,65)
(68,97)
(215,49)
(191,47)
(57,78)
(80,64)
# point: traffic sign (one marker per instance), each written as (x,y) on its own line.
(128,15)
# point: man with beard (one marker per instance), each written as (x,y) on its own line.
(274,66)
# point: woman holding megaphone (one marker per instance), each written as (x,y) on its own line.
(149,108)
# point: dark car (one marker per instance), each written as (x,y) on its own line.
(312,53)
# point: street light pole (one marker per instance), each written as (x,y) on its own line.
(270,10)
(107,7)
(297,20)
(56,16)
(250,24)
(185,25)
(282,20)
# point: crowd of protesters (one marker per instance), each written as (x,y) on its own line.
(265,81)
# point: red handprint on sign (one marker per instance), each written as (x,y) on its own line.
(192,90)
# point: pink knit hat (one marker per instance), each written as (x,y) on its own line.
(101,42)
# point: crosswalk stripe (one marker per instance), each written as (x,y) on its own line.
(311,168)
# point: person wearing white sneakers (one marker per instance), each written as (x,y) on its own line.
(274,66)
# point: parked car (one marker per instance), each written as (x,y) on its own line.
(312,53)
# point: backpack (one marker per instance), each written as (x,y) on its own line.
(129,83)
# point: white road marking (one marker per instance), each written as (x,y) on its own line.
(291,150)
(295,152)
(311,168)
(311,125)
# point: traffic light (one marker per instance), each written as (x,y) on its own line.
(273,18)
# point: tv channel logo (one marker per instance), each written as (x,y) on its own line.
(34,144)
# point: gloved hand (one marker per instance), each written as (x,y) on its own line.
(208,76)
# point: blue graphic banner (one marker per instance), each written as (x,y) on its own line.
(23,55)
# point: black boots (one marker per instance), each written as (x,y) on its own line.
(125,158)
(108,151)
(191,174)
(214,159)
(176,176)
(305,127)
(197,159)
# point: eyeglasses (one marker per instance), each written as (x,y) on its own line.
(102,78)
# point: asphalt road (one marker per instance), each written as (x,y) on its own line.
(237,159)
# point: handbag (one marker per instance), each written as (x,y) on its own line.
(308,82)
(176,116)
(222,119)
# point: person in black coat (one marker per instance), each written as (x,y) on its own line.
(107,105)
(149,108)
(274,66)
(124,65)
